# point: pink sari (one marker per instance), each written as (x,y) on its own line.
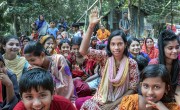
(62,77)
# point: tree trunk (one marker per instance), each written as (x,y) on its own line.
(139,18)
(132,32)
(100,9)
(14,31)
(86,18)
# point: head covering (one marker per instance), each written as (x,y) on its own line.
(40,22)
(44,38)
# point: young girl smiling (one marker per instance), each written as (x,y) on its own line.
(156,91)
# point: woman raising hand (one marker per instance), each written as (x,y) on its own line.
(119,72)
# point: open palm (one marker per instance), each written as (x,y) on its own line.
(93,17)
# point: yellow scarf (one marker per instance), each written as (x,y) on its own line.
(16,65)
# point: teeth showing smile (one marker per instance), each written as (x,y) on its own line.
(38,109)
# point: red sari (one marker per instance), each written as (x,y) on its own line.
(153,52)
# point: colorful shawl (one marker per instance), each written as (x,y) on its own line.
(152,54)
(113,84)
(62,76)
(39,23)
(114,80)
(16,65)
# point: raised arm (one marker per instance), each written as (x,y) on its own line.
(93,20)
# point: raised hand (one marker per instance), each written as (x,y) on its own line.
(4,77)
(93,17)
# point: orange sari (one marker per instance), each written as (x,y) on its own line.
(131,102)
(153,52)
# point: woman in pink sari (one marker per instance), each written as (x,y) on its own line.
(119,73)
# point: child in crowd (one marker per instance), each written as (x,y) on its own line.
(75,28)
(141,40)
(64,35)
(81,66)
(24,41)
(52,30)
(36,55)
(93,43)
(9,90)
(65,47)
(157,92)
(15,63)
(58,39)
(34,36)
(38,94)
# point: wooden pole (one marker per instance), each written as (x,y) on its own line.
(87,11)
(139,18)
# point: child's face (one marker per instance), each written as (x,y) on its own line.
(75,49)
(12,47)
(25,42)
(141,42)
(58,39)
(37,100)
(94,42)
(65,49)
(52,24)
(153,89)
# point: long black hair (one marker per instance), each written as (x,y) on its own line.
(164,37)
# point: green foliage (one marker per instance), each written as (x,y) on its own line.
(23,12)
